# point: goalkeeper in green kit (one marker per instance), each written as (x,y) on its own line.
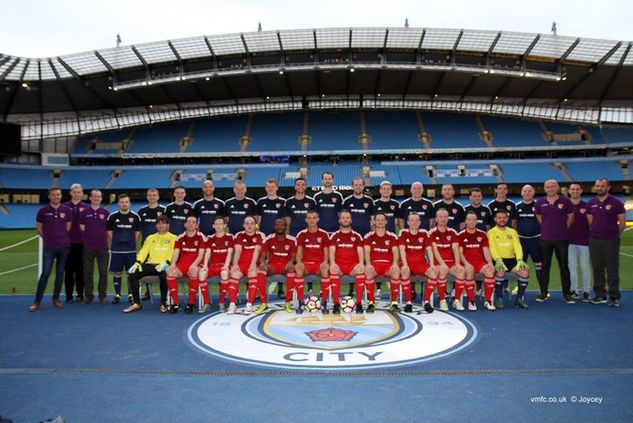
(506,252)
(153,260)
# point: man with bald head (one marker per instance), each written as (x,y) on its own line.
(529,229)
(208,208)
(555,213)
(419,205)
(607,218)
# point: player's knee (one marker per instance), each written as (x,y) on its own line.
(488,271)
(224,275)
(500,275)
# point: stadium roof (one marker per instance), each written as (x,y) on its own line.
(581,77)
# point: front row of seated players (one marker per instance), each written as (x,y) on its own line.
(434,255)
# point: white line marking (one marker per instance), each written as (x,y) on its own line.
(625,254)
(8,247)
(18,269)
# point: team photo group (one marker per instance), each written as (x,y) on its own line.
(357,240)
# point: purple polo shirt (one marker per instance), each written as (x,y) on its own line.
(54,221)
(96,232)
(579,229)
(554,218)
(76,237)
(605,217)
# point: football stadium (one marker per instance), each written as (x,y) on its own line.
(207,185)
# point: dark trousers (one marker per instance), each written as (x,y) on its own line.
(50,256)
(605,255)
(560,248)
(75,271)
(148,270)
(102,258)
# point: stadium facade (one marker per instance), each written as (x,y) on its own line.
(437,105)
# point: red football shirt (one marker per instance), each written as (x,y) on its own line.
(414,244)
(219,247)
(190,246)
(313,244)
(280,251)
(473,245)
(444,241)
(248,243)
(346,246)
(380,247)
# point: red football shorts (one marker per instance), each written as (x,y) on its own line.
(312,268)
(419,267)
(382,267)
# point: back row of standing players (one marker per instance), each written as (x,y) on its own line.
(328,203)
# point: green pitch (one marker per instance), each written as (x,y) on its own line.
(24,257)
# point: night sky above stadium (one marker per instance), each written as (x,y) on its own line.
(39,29)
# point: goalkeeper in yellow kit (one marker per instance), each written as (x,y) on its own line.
(153,260)
(506,252)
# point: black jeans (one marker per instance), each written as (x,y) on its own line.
(605,255)
(148,270)
(74,271)
(560,248)
(102,258)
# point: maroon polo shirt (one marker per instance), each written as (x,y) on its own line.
(579,229)
(96,232)
(53,222)
(554,218)
(76,237)
(605,217)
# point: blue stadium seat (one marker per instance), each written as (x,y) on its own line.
(144,178)
(25,177)
(334,131)
(276,132)
(218,134)
(452,130)
(587,171)
(617,134)
(513,133)
(393,129)
(162,138)
(21,216)
(89,178)
(529,172)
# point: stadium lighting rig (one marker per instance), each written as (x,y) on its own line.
(207,75)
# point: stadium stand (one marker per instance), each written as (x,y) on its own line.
(277,132)
(144,177)
(450,130)
(217,135)
(512,132)
(389,129)
(159,138)
(21,216)
(529,172)
(26,177)
(617,134)
(334,130)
